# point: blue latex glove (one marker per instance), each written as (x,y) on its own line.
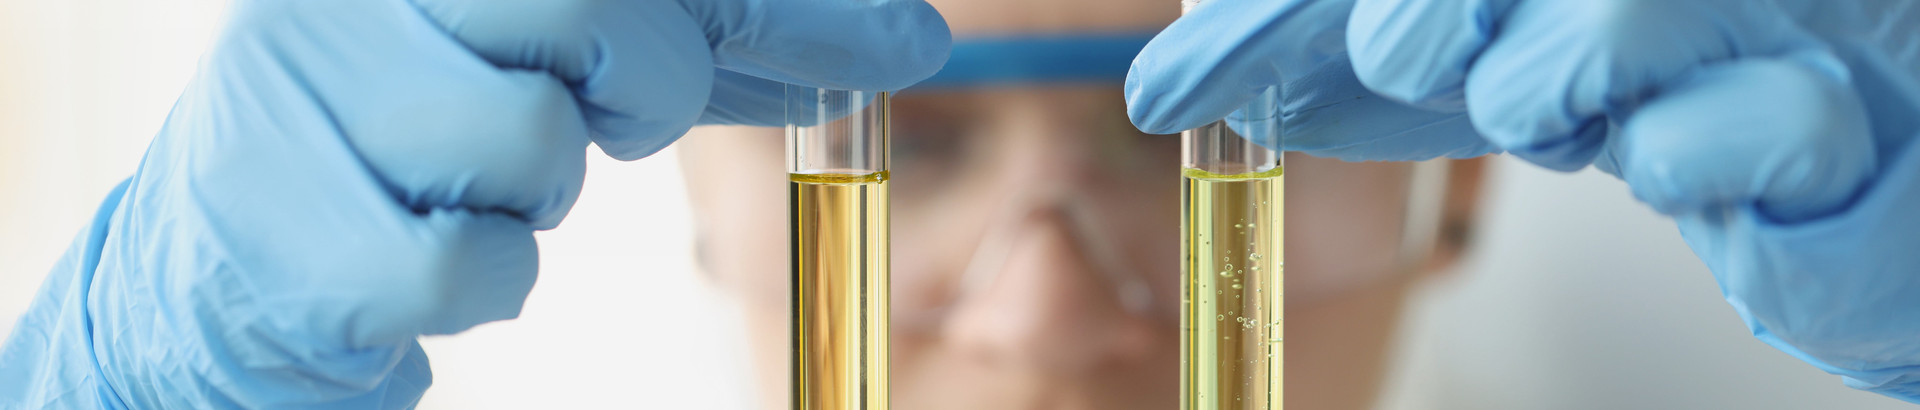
(1223,53)
(344,176)
(1777,133)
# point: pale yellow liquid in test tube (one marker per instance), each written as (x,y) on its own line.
(839,291)
(1231,347)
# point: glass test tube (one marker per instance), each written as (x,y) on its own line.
(1231,224)
(837,199)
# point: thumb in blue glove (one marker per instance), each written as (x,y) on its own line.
(1223,53)
(1549,85)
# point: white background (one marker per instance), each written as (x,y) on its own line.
(1577,298)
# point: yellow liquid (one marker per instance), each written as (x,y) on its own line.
(1230,319)
(839,239)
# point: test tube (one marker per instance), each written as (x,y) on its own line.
(838,222)
(1231,317)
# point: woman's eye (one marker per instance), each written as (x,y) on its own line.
(929,139)
(923,143)
(1123,146)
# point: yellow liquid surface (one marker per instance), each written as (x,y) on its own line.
(839,229)
(1230,319)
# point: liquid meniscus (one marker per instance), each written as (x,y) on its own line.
(1231,321)
(839,230)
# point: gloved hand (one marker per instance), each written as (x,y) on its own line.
(1776,133)
(343,176)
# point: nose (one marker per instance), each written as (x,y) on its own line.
(1047,310)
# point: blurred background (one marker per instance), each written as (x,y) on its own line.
(1574,297)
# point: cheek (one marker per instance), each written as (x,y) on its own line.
(738,192)
(1141,217)
(933,244)
(745,248)
(1343,225)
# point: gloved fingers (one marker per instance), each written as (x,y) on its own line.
(740,99)
(486,267)
(1259,120)
(1419,51)
(1224,52)
(1328,113)
(868,45)
(1782,134)
(645,69)
(642,69)
(1447,136)
(1830,291)
(1545,87)
(440,127)
(302,259)
(511,141)
(439,272)
(409,380)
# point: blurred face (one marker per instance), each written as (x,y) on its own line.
(1036,242)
